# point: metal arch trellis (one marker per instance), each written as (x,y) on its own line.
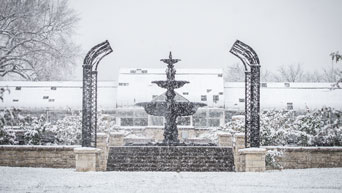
(251,63)
(89,103)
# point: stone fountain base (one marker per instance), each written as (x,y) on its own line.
(170,158)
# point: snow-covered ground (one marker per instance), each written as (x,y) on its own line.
(67,180)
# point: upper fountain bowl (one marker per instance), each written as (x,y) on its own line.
(170,84)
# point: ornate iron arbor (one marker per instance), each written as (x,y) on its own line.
(89,103)
(251,63)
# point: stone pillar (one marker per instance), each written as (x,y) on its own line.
(239,143)
(102,143)
(225,139)
(252,159)
(116,139)
(86,159)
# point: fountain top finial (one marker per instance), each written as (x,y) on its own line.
(170,61)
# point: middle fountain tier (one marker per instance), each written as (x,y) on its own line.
(167,106)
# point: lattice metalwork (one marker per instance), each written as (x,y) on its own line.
(89,102)
(248,118)
(251,63)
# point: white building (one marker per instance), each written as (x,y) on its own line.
(134,85)
(296,96)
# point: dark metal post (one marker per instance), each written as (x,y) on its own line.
(86,111)
(251,63)
(89,102)
(248,114)
(255,106)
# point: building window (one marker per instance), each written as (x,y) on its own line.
(200,118)
(209,90)
(157,121)
(144,71)
(45,97)
(264,84)
(205,118)
(51,100)
(213,122)
(15,100)
(184,121)
(185,93)
(53,88)
(203,97)
(132,71)
(219,75)
(286,84)
(133,118)
(140,121)
(216,98)
(241,100)
(289,106)
(199,122)
(18,88)
(123,84)
(220,93)
(126,121)
(215,114)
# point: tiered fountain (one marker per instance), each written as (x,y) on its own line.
(170,109)
(170,155)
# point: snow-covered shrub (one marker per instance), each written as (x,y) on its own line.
(272,157)
(106,123)
(68,131)
(235,126)
(9,118)
(6,137)
(320,127)
(34,132)
(274,127)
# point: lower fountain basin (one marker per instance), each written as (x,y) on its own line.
(159,108)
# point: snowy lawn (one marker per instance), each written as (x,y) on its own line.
(67,180)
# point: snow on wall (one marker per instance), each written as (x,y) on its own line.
(54,95)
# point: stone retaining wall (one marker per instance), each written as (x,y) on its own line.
(37,156)
(308,157)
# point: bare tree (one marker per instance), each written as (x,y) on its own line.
(265,75)
(291,73)
(35,39)
(336,56)
(313,77)
(234,73)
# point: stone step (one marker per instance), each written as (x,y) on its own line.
(163,158)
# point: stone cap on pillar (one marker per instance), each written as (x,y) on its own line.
(101,135)
(252,151)
(224,134)
(116,134)
(239,135)
(86,150)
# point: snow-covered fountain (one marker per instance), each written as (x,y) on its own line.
(168,107)
(170,155)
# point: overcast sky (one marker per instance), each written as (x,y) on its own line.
(201,32)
